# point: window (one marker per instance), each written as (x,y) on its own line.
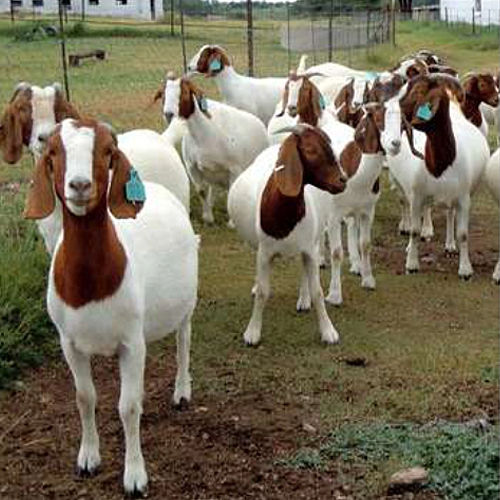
(37,3)
(16,3)
(66,4)
(121,2)
(93,2)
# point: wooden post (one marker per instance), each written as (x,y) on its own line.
(152,9)
(183,40)
(446,15)
(172,17)
(313,41)
(12,17)
(63,50)
(330,32)
(473,21)
(367,31)
(393,23)
(288,49)
(250,37)
(83,10)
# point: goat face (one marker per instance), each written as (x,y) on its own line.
(306,157)
(482,87)
(30,118)
(181,97)
(209,61)
(76,164)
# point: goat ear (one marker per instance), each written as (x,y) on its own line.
(11,136)
(289,170)
(64,109)
(409,132)
(41,201)
(159,93)
(119,206)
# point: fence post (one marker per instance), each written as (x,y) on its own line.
(330,33)
(473,21)
(393,22)
(313,41)
(446,15)
(250,37)
(152,9)
(183,40)
(172,17)
(83,10)
(288,51)
(367,32)
(12,17)
(63,50)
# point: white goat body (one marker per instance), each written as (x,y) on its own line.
(492,181)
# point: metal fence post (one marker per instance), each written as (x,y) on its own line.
(63,50)
(473,21)
(313,41)
(12,18)
(250,37)
(393,23)
(183,40)
(367,32)
(172,17)
(288,51)
(330,33)
(83,10)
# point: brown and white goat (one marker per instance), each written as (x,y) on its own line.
(30,116)
(454,157)
(114,284)
(280,204)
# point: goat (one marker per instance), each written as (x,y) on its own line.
(114,284)
(257,96)
(221,140)
(492,180)
(278,200)
(30,116)
(455,154)
(479,88)
(378,132)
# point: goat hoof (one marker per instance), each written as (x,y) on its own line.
(466,277)
(182,405)
(86,472)
(404,232)
(411,271)
(496,281)
(137,493)
(425,239)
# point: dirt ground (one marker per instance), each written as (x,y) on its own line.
(215,449)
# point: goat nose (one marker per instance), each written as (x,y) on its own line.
(43,137)
(343,178)
(396,143)
(80,184)
(168,117)
(292,110)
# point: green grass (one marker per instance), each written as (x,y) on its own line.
(430,341)
(462,461)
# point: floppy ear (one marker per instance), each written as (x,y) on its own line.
(409,132)
(426,112)
(159,93)
(63,108)
(119,206)
(41,201)
(289,170)
(12,134)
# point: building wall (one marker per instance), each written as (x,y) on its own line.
(485,11)
(139,9)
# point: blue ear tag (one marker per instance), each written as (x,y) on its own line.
(203,104)
(215,65)
(424,112)
(322,103)
(134,188)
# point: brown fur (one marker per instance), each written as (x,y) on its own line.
(308,105)
(16,125)
(90,263)
(438,68)
(440,148)
(478,88)
(347,114)
(382,92)
(307,159)
(207,56)
(64,109)
(189,92)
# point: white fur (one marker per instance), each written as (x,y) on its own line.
(244,200)
(257,96)
(156,296)
(43,116)
(216,150)
(492,180)
(453,188)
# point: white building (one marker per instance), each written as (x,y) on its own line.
(485,11)
(137,9)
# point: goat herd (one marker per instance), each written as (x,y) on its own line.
(124,269)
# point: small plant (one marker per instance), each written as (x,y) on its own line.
(463,462)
